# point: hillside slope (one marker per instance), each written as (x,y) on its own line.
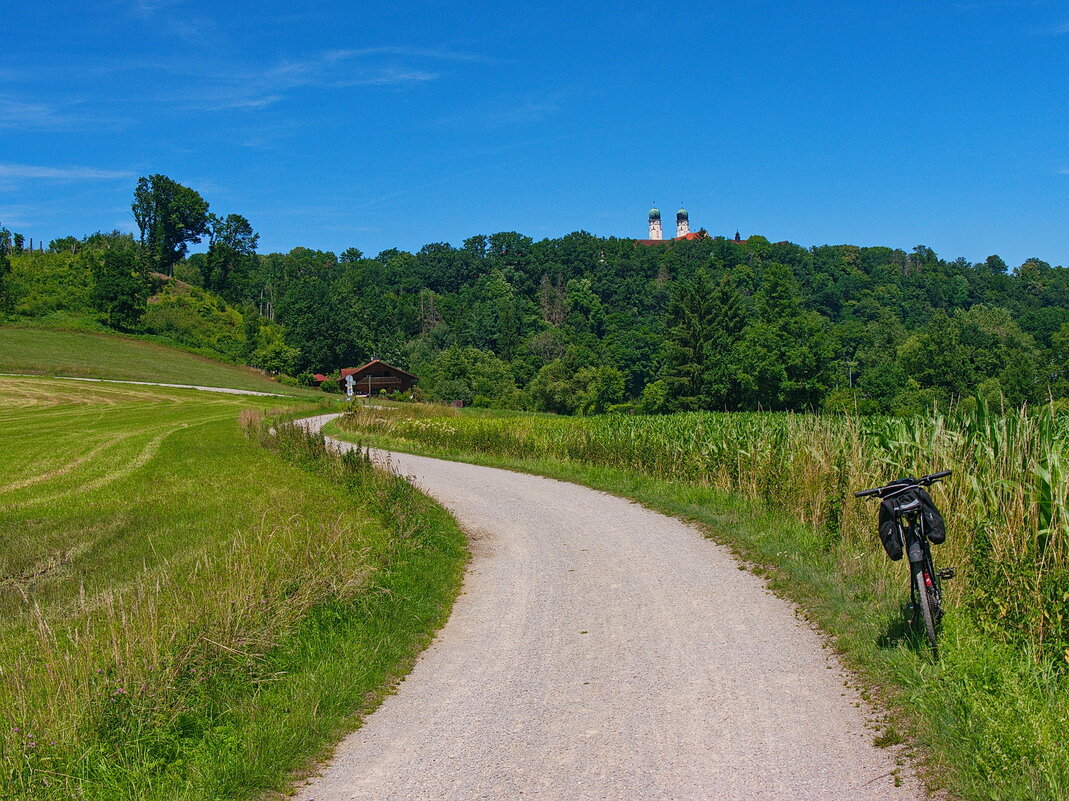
(85,355)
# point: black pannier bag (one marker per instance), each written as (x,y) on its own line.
(892,543)
(933,520)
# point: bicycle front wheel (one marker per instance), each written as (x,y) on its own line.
(926,603)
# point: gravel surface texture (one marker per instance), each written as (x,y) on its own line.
(604,651)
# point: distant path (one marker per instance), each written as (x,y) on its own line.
(604,651)
(226,390)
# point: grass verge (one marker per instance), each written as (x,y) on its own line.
(988,721)
(186,615)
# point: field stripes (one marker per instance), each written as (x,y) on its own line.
(59,442)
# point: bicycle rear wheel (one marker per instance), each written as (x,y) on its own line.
(926,603)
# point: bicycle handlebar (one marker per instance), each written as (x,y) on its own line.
(902,483)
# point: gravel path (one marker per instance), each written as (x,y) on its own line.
(604,651)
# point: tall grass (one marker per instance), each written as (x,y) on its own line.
(1007,505)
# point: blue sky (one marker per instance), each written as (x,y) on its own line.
(394,124)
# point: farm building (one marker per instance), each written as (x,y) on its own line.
(374,376)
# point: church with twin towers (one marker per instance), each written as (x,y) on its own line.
(682,224)
(683,232)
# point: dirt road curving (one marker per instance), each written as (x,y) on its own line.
(604,651)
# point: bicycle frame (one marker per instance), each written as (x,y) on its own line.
(919,552)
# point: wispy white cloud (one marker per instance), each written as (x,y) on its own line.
(20,113)
(516,111)
(525,112)
(388,77)
(182,23)
(225,100)
(984,5)
(214,83)
(254,89)
(1059,30)
(61,173)
(15,216)
(340,68)
(440,54)
(16,113)
(148,8)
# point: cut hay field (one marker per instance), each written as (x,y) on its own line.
(185,614)
(38,351)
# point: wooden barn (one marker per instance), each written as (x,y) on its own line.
(374,376)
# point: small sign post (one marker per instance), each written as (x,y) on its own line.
(349,385)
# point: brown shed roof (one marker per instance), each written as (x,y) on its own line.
(373,363)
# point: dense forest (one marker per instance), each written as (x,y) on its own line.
(576,324)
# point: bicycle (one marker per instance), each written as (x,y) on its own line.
(908,523)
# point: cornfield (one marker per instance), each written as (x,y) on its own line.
(1006,506)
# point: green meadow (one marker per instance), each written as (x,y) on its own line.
(82,354)
(192,606)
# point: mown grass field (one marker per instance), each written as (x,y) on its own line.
(991,717)
(185,614)
(87,355)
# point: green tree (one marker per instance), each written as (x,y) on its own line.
(272,354)
(719,382)
(601,387)
(231,257)
(5,270)
(469,375)
(64,244)
(120,289)
(586,313)
(169,216)
(784,357)
(701,370)
(689,348)
(554,388)
(234,231)
(494,318)
(1060,361)
(936,359)
(998,349)
(311,317)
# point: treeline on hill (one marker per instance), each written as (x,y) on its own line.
(579,324)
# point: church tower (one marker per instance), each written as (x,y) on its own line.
(682,223)
(655,224)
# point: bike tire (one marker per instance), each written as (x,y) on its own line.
(926,606)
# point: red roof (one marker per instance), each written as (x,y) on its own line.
(690,237)
(320,378)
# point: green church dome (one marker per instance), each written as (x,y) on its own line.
(655,214)
(682,215)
